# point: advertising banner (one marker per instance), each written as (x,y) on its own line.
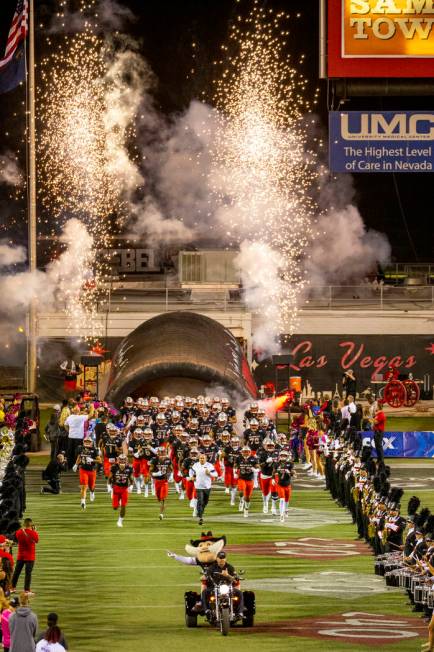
(404,444)
(322,360)
(380,38)
(381,141)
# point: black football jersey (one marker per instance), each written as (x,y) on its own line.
(161,468)
(267,462)
(161,433)
(112,446)
(187,463)
(284,472)
(136,447)
(211,452)
(230,455)
(87,458)
(121,477)
(253,439)
(246,466)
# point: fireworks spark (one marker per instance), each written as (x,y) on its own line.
(263,169)
(82,151)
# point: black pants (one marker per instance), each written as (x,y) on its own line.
(202,500)
(28,573)
(73,446)
(53,488)
(54,448)
(378,440)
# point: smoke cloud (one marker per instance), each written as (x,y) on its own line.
(177,192)
(10,173)
(104,15)
(344,250)
(11,255)
(58,288)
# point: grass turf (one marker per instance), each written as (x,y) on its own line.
(409,424)
(116,588)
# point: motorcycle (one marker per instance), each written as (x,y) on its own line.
(222,609)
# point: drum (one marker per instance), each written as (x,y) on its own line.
(405,579)
(418,593)
(379,568)
(392,578)
(425,593)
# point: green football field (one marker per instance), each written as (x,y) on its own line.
(115,589)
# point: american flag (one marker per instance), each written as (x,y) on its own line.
(17,32)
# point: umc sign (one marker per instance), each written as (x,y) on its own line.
(380,38)
(385,141)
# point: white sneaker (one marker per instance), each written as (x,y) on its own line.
(92,496)
(119,523)
(265,509)
(306,467)
(246,513)
(282,518)
(194,512)
(241,505)
(181,496)
(109,488)
(161,516)
(153,490)
(273,510)
(232,503)
(139,490)
(83,504)
(227,490)
(192,503)
(311,473)
(146,492)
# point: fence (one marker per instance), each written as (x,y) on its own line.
(127,298)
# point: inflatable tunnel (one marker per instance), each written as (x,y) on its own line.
(178,353)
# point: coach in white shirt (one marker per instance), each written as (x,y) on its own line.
(202,473)
(75,425)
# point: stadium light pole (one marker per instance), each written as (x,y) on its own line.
(32,325)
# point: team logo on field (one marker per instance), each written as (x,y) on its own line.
(357,627)
(298,518)
(305,548)
(335,584)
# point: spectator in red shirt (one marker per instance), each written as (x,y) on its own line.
(4,552)
(379,427)
(27,538)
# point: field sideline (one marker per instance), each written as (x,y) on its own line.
(116,588)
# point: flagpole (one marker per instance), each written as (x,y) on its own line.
(32,326)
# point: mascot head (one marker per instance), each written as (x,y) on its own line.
(205,549)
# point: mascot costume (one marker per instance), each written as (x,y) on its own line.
(203,552)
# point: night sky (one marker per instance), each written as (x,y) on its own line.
(166,30)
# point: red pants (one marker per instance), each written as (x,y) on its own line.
(120,496)
(229,477)
(189,487)
(88,479)
(161,489)
(265,484)
(218,468)
(284,492)
(140,467)
(246,487)
(108,463)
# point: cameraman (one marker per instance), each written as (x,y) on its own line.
(27,538)
(51,474)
